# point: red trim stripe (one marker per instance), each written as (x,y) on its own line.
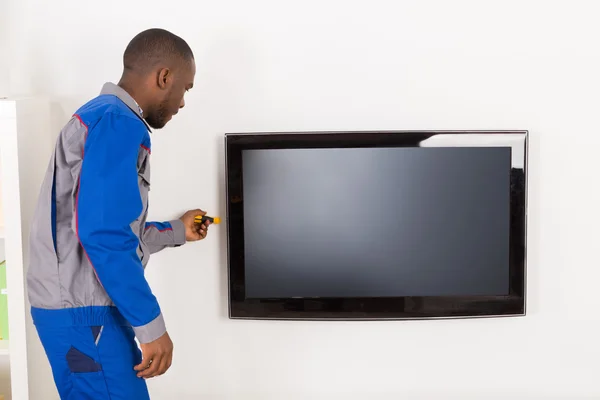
(146,148)
(82,123)
(160,230)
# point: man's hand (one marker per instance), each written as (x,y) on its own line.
(193,230)
(156,357)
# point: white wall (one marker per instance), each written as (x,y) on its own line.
(320,65)
(4,80)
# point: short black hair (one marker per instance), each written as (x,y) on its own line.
(154,46)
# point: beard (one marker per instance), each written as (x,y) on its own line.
(157,119)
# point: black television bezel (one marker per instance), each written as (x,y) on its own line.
(377,308)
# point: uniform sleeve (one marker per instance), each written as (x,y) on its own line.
(108,202)
(160,235)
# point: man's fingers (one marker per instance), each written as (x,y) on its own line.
(164,365)
(153,369)
(197,230)
(202,230)
(169,360)
(147,358)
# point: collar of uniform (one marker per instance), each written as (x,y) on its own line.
(115,90)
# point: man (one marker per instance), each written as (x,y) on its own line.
(90,240)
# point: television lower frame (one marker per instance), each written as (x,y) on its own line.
(376,308)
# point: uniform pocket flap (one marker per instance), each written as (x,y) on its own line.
(81,363)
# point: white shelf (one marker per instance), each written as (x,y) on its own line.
(26,145)
(3,348)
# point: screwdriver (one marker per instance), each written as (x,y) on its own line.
(201,219)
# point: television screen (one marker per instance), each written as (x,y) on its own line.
(372,222)
(358,225)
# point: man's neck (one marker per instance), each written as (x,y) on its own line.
(138,97)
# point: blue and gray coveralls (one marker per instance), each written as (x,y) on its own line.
(89,245)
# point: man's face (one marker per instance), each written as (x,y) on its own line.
(170,97)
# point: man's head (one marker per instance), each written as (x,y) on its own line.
(159,68)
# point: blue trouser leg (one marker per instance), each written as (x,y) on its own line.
(92,357)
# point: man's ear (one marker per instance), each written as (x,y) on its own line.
(164,76)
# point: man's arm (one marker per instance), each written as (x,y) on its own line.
(160,235)
(108,202)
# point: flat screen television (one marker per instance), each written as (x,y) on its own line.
(376,225)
